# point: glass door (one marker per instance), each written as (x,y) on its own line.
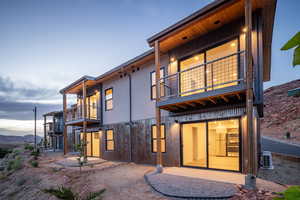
(96,144)
(194,144)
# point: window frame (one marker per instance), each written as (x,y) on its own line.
(106,140)
(105,100)
(155,139)
(151,86)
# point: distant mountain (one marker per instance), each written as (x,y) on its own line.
(281,112)
(9,139)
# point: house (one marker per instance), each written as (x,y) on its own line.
(201,84)
(53,130)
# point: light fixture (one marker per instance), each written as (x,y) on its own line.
(244,29)
(172,59)
(176,121)
(184,38)
(217,22)
(232,44)
(196,58)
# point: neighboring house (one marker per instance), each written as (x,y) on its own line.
(53,130)
(202,103)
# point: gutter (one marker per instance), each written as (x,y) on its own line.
(130,118)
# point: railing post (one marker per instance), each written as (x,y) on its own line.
(157,109)
(84,118)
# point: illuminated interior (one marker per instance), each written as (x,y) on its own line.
(110,143)
(109,99)
(223,144)
(93,143)
(213,75)
(162,136)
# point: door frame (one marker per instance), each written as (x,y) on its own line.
(207,156)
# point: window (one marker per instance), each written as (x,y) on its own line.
(109,99)
(154,138)
(153,84)
(109,140)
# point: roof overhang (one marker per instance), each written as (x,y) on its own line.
(213,16)
(53,113)
(76,86)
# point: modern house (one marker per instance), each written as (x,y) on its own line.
(53,130)
(201,84)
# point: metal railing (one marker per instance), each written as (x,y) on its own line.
(78,113)
(218,73)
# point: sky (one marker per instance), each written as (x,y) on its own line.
(47,44)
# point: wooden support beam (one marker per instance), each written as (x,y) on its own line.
(201,102)
(65,126)
(225,98)
(238,96)
(84,117)
(251,171)
(157,109)
(181,106)
(212,100)
(193,104)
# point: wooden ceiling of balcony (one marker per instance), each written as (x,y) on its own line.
(204,24)
(207,103)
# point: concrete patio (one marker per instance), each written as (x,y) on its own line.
(183,182)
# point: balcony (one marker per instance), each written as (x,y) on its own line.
(219,81)
(75,115)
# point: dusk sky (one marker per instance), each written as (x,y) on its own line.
(47,44)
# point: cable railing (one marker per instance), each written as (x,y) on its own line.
(77,113)
(215,74)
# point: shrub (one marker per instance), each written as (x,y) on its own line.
(29,147)
(14,164)
(35,153)
(67,194)
(292,193)
(21,181)
(34,163)
(4,151)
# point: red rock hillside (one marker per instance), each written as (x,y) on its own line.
(282,113)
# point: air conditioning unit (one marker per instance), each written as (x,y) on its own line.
(266,160)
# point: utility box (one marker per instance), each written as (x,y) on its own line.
(266,160)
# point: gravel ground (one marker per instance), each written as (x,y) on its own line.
(285,171)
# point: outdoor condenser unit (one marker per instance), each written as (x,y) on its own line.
(266,160)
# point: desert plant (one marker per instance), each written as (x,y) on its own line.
(21,181)
(14,164)
(4,152)
(292,193)
(66,193)
(34,163)
(29,147)
(81,157)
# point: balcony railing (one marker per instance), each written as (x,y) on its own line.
(219,73)
(78,113)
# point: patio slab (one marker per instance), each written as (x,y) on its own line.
(188,187)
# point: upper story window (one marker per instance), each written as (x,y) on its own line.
(153,84)
(154,138)
(109,99)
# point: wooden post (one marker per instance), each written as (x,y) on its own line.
(84,118)
(157,109)
(65,126)
(45,131)
(250,181)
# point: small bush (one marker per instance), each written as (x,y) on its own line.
(21,181)
(67,194)
(35,153)
(34,163)
(4,151)
(14,164)
(29,147)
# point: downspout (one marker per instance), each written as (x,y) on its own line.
(130,118)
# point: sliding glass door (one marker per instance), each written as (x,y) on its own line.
(213,144)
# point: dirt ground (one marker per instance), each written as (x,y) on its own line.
(121,180)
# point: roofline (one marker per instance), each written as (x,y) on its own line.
(129,62)
(52,113)
(84,78)
(187,19)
